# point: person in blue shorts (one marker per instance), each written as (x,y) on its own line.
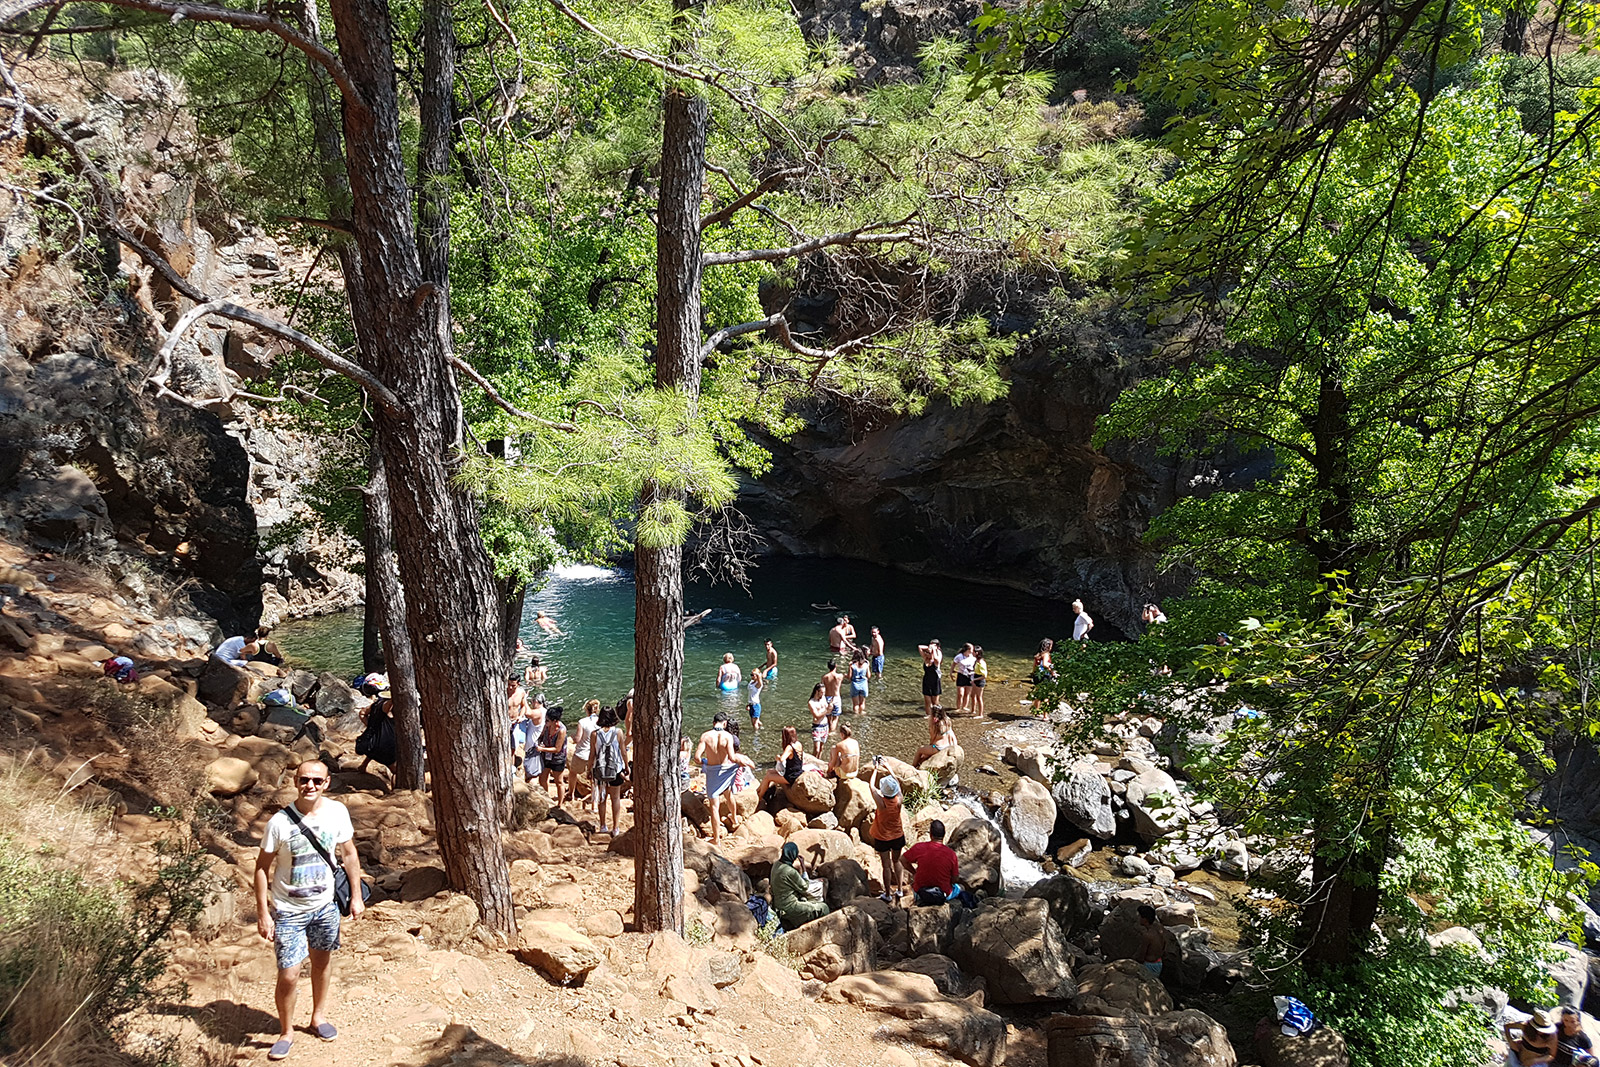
(771,666)
(754,689)
(728,675)
(859,672)
(875,650)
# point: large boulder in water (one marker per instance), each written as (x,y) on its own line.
(978,845)
(1158,806)
(1018,949)
(1083,798)
(811,793)
(1031,818)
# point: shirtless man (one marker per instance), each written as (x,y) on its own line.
(845,761)
(770,668)
(836,638)
(830,692)
(715,753)
(517,705)
(849,633)
(1153,941)
(875,650)
(547,624)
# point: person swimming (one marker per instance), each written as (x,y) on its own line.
(728,675)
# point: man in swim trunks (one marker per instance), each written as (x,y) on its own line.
(1153,940)
(875,650)
(830,692)
(721,763)
(849,633)
(729,675)
(770,668)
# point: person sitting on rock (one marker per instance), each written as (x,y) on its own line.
(940,737)
(1152,941)
(844,763)
(236,651)
(934,868)
(267,651)
(790,766)
(1573,1046)
(1533,1044)
(791,892)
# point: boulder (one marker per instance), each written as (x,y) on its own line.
(225,685)
(1233,859)
(811,793)
(929,930)
(1031,818)
(1322,1047)
(1121,987)
(944,767)
(908,776)
(301,683)
(560,952)
(1177,1039)
(1568,967)
(846,880)
(1083,799)
(959,1028)
(821,847)
(420,883)
(334,698)
(852,803)
(451,918)
(789,821)
(188,714)
(850,930)
(1018,949)
(1069,902)
(769,981)
(1156,803)
(715,870)
(978,846)
(228,776)
(695,994)
(826,821)
(944,971)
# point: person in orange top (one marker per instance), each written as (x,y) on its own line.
(888,830)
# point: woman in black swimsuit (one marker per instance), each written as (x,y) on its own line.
(932,683)
(790,766)
(552,745)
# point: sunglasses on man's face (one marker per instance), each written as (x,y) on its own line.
(312,781)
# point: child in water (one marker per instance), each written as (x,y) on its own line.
(757,682)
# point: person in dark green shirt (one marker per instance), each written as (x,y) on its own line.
(790,896)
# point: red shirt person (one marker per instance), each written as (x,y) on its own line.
(934,868)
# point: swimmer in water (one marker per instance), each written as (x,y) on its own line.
(535,674)
(729,675)
(547,624)
(770,668)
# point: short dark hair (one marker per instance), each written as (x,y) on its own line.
(936,830)
(1147,913)
(833,664)
(719,717)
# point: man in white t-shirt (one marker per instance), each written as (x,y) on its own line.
(236,651)
(1082,622)
(294,896)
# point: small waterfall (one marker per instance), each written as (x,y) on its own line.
(581,572)
(1016,871)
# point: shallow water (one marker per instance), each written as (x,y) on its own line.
(594,608)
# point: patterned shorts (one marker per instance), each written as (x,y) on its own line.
(298,932)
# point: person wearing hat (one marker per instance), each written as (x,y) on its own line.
(888,828)
(1533,1043)
(791,897)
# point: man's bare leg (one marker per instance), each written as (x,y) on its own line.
(288,983)
(321,968)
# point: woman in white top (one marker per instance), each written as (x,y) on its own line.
(964,661)
(581,749)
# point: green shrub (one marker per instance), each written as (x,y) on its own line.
(76,956)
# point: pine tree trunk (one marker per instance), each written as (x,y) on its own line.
(401,326)
(383,574)
(512,596)
(658,576)
(371,644)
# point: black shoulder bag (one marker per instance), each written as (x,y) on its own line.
(341,880)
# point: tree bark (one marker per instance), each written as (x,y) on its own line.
(383,574)
(512,595)
(658,575)
(372,658)
(1336,922)
(401,322)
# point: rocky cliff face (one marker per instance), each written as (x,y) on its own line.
(162,489)
(1011,493)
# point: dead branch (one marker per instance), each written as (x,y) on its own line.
(744,200)
(859,236)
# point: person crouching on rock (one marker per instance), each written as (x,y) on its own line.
(295,909)
(934,867)
(791,890)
